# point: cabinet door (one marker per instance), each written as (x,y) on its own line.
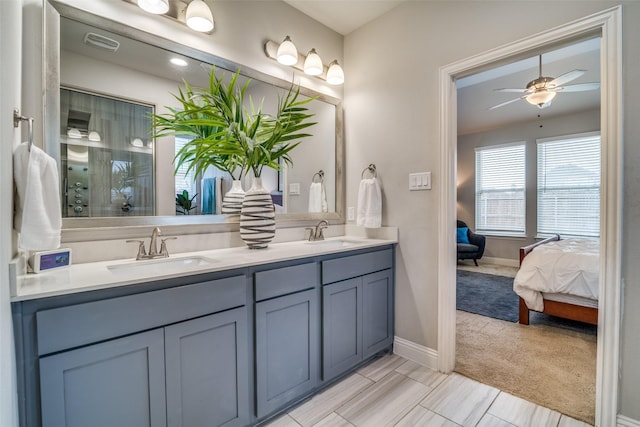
(377,312)
(115,383)
(341,326)
(287,349)
(206,370)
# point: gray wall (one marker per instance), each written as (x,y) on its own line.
(392,119)
(508,247)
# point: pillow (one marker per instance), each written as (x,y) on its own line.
(461,235)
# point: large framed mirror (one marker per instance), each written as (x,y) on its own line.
(113,174)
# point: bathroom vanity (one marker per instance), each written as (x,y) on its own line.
(231,342)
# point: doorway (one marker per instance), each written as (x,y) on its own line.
(607,24)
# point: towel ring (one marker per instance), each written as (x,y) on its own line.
(17,118)
(319,175)
(371,169)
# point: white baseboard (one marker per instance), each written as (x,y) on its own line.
(500,261)
(422,355)
(627,422)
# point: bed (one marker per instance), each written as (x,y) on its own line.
(559,278)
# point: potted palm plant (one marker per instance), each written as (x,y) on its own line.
(233,136)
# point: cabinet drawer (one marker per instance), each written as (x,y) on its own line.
(337,269)
(286,280)
(73,326)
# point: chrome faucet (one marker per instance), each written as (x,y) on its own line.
(153,246)
(316,233)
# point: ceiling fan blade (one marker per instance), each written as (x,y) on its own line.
(566,78)
(577,88)
(511,90)
(507,103)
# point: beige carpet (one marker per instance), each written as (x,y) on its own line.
(549,366)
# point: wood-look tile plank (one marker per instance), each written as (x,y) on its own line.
(460,399)
(422,417)
(333,420)
(490,421)
(566,421)
(523,413)
(283,421)
(429,377)
(385,402)
(324,403)
(381,367)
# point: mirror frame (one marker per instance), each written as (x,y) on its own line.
(75,229)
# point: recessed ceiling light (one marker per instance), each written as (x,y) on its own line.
(179,62)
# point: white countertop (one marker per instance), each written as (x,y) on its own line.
(108,274)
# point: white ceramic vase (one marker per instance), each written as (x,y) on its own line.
(257,217)
(232,200)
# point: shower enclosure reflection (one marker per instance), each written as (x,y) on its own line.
(106,156)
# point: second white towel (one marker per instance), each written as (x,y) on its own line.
(369,212)
(317,197)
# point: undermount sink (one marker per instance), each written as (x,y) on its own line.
(160,265)
(338,243)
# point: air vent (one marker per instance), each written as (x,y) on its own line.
(101,42)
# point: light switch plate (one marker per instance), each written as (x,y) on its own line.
(294,189)
(351,213)
(420,181)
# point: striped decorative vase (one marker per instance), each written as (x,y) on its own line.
(232,200)
(257,217)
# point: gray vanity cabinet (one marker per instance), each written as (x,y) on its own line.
(357,304)
(116,383)
(189,373)
(287,317)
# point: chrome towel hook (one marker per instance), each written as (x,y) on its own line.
(371,169)
(319,175)
(17,118)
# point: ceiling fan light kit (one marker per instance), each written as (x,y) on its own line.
(541,91)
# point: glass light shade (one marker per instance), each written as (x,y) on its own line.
(94,136)
(541,98)
(137,142)
(199,17)
(179,62)
(287,52)
(157,7)
(74,133)
(313,64)
(335,75)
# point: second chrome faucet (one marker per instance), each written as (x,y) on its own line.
(153,246)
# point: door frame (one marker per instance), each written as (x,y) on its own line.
(607,24)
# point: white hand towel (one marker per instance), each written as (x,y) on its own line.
(38,216)
(317,197)
(369,212)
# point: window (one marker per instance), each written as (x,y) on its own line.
(500,190)
(569,185)
(184,180)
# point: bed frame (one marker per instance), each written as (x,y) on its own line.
(556,308)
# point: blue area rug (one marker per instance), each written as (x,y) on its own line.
(487,295)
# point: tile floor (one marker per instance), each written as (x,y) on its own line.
(393,391)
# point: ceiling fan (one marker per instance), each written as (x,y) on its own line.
(541,91)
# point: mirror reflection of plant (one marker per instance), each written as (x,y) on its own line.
(230,136)
(122,176)
(184,204)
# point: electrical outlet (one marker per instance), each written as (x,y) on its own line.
(351,213)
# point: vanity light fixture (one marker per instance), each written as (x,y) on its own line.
(137,142)
(74,133)
(94,136)
(199,16)
(157,7)
(313,64)
(287,54)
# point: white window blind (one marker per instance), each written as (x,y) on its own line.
(184,180)
(500,189)
(569,185)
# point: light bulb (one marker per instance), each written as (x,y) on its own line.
(157,7)
(287,52)
(179,62)
(313,64)
(335,75)
(199,17)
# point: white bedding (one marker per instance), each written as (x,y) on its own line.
(569,266)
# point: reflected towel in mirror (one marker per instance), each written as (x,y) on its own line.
(38,215)
(317,197)
(369,212)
